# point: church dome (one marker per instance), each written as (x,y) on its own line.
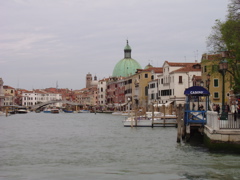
(127,66)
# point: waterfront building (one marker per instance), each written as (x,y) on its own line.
(1,93)
(34,97)
(144,76)
(115,95)
(153,96)
(102,86)
(9,95)
(87,96)
(212,79)
(176,77)
(90,82)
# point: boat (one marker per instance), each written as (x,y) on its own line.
(2,113)
(54,111)
(22,110)
(67,111)
(117,113)
(37,111)
(47,110)
(84,111)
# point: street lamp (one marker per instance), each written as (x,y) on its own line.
(128,99)
(208,81)
(201,83)
(223,66)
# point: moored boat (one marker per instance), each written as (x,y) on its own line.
(117,113)
(84,111)
(22,110)
(67,111)
(47,110)
(54,111)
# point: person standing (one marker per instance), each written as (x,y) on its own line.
(234,111)
(218,108)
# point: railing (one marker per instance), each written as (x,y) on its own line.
(215,123)
(194,117)
(231,123)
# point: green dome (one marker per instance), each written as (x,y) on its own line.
(127,66)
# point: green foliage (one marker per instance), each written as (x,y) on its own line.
(226,35)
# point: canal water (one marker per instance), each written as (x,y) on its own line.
(38,146)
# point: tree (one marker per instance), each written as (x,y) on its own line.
(226,35)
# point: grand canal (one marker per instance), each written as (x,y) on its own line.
(38,146)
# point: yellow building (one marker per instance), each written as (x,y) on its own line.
(136,86)
(213,80)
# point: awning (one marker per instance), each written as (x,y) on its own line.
(196,91)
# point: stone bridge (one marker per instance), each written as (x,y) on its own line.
(37,106)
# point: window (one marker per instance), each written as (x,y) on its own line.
(216,95)
(215,68)
(146,91)
(205,68)
(152,85)
(146,75)
(162,81)
(152,96)
(180,79)
(167,92)
(215,81)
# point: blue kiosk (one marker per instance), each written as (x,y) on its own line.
(197,104)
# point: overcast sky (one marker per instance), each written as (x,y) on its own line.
(43,42)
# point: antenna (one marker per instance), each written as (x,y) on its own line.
(195,55)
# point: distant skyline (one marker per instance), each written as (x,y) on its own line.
(48,43)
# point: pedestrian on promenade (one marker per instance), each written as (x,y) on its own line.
(218,108)
(234,110)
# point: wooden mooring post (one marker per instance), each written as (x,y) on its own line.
(180,124)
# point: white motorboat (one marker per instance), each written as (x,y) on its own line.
(22,110)
(117,113)
(84,111)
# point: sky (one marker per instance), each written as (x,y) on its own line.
(55,43)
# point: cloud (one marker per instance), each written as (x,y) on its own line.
(23,42)
(69,38)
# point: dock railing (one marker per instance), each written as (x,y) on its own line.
(212,120)
(233,122)
(215,123)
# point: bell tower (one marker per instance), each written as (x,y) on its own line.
(88,80)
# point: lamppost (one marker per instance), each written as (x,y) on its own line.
(223,66)
(208,81)
(128,99)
